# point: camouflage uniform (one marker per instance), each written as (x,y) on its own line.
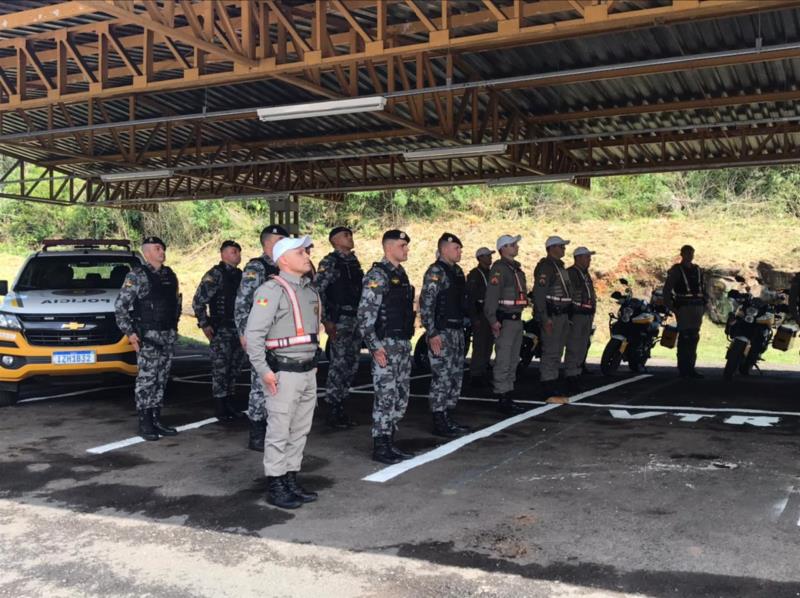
(255,273)
(157,346)
(226,350)
(391,382)
(446,368)
(346,345)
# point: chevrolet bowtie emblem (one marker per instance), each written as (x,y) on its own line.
(73,326)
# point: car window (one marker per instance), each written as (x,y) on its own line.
(76,272)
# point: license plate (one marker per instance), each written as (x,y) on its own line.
(74,357)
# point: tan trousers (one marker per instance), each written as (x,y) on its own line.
(553,348)
(580,331)
(289,416)
(506,356)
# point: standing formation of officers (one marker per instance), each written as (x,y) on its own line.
(273,311)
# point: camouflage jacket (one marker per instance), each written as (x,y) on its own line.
(136,286)
(374,286)
(253,276)
(434,281)
(211,284)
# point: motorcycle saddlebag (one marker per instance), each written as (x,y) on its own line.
(784,337)
(669,338)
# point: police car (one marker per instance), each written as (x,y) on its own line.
(57,318)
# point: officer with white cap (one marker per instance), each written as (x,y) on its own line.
(482,338)
(506,297)
(283,347)
(552,302)
(584,306)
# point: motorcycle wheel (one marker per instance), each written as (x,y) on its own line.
(609,362)
(421,361)
(525,354)
(734,358)
(748,363)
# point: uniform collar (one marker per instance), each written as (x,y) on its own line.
(556,261)
(226,266)
(268,258)
(399,267)
(510,261)
(297,280)
(345,256)
(150,267)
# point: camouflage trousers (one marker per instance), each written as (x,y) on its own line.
(345,349)
(391,387)
(156,348)
(447,370)
(226,361)
(257,403)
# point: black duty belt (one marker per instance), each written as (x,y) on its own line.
(508,315)
(278,363)
(558,310)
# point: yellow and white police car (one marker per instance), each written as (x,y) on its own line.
(57,317)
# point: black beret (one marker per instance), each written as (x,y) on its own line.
(274,229)
(450,238)
(339,229)
(154,241)
(230,243)
(395,234)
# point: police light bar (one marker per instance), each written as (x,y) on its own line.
(317,109)
(457,152)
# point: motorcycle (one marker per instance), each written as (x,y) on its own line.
(750,328)
(635,330)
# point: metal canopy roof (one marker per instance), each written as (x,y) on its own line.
(578,88)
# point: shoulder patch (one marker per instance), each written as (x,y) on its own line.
(495,279)
(543,279)
(250,274)
(435,277)
(262,301)
(128,282)
(373,284)
(208,278)
(321,268)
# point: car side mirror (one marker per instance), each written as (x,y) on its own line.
(3,287)
(616,295)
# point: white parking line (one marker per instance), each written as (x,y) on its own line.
(73,394)
(388,473)
(99,450)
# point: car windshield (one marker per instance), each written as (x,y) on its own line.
(75,272)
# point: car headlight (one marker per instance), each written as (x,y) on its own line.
(9,321)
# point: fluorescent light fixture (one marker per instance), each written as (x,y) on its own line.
(532,180)
(269,196)
(116,177)
(465,151)
(316,109)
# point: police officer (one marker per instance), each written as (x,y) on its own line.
(256,273)
(685,294)
(584,306)
(506,297)
(283,347)
(386,321)
(339,279)
(552,301)
(482,338)
(442,307)
(147,310)
(213,306)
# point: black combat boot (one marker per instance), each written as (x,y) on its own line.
(233,413)
(258,429)
(382,451)
(454,424)
(398,451)
(159,427)
(507,406)
(573,385)
(278,494)
(442,427)
(337,417)
(146,429)
(221,410)
(296,489)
